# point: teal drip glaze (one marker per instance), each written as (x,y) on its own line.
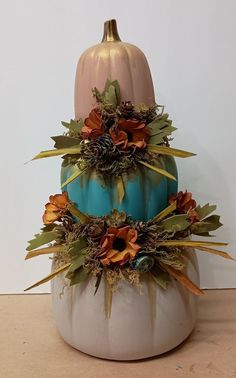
(146,192)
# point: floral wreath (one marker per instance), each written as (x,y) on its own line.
(116,138)
(118,247)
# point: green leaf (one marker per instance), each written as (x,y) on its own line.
(41,239)
(76,174)
(98,281)
(169,151)
(74,125)
(50,276)
(160,128)
(63,141)
(161,171)
(161,278)
(57,152)
(175,223)
(78,276)
(111,93)
(76,264)
(48,227)
(77,246)
(208,224)
(205,210)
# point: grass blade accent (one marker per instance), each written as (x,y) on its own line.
(188,243)
(169,151)
(120,188)
(84,218)
(165,212)
(43,251)
(57,152)
(158,170)
(216,252)
(72,177)
(50,276)
(184,280)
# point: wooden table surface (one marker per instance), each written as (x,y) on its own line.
(32,348)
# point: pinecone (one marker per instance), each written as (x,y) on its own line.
(101,148)
(126,110)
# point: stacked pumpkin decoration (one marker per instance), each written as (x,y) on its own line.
(120,217)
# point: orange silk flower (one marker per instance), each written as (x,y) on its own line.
(130,133)
(93,125)
(118,245)
(185,205)
(56,208)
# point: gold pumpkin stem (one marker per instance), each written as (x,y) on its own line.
(110,32)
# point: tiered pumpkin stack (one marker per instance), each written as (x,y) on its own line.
(124,277)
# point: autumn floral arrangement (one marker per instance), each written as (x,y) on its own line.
(118,247)
(116,138)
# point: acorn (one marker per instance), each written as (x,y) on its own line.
(143,263)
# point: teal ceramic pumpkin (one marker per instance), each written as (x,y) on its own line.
(146,192)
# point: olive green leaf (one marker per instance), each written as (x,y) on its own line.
(76,174)
(74,125)
(160,277)
(169,151)
(44,251)
(78,276)
(215,252)
(158,170)
(188,243)
(50,276)
(48,227)
(208,224)
(57,152)
(183,279)
(64,141)
(76,263)
(77,246)
(160,128)
(205,210)
(97,283)
(164,212)
(175,223)
(111,93)
(84,218)
(41,239)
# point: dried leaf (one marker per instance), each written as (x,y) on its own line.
(74,125)
(169,151)
(188,243)
(205,210)
(41,239)
(78,276)
(208,224)
(120,188)
(76,263)
(76,174)
(62,151)
(84,218)
(184,280)
(64,141)
(165,212)
(111,93)
(107,298)
(158,170)
(160,277)
(98,281)
(50,276)
(216,252)
(77,246)
(175,223)
(44,251)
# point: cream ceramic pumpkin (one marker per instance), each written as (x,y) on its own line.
(130,333)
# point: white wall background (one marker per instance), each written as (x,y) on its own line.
(190,45)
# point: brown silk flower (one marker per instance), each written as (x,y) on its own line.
(56,208)
(185,205)
(130,133)
(93,125)
(118,245)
